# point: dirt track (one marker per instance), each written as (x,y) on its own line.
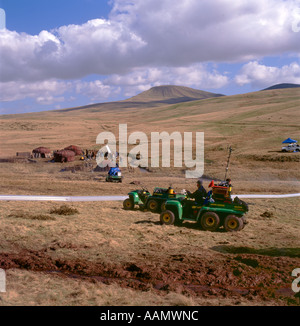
(238,275)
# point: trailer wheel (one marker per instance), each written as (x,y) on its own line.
(233,223)
(244,221)
(128,204)
(152,205)
(210,221)
(163,206)
(167,217)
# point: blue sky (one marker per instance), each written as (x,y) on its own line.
(58,54)
(33,16)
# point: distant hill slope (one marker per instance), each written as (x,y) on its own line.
(254,124)
(280,86)
(170,94)
(154,97)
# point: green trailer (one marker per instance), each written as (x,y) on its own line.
(136,198)
(154,203)
(218,210)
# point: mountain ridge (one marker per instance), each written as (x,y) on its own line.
(159,96)
(154,97)
(163,95)
(172,93)
(281,86)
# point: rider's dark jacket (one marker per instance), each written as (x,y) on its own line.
(198,195)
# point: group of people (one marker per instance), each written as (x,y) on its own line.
(89,154)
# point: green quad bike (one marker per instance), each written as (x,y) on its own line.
(154,203)
(217,210)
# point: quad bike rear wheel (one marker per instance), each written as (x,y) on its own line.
(233,223)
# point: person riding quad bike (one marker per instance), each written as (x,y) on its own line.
(199,194)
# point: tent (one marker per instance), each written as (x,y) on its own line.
(41,152)
(64,156)
(289,141)
(77,150)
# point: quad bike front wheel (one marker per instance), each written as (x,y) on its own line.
(167,217)
(233,223)
(128,204)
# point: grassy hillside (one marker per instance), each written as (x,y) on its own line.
(104,255)
(253,123)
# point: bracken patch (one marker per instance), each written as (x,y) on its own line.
(64,210)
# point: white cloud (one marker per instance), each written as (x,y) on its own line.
(146,43)
(44,92)
(152,33)
(47,100)
(259,75)
(184,32)
(72,51)
(51,91)
(196,76)
(141,79)
(96,90)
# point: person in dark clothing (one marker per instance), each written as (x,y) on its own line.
(200,194)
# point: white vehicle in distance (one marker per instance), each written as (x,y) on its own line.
(291,148)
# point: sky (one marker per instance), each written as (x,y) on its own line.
(58,54)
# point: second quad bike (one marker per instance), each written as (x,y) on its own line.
(217,210)
(154,203)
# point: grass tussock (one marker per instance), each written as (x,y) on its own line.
(272,251)
(64,210)
(29,216)
(290,157)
